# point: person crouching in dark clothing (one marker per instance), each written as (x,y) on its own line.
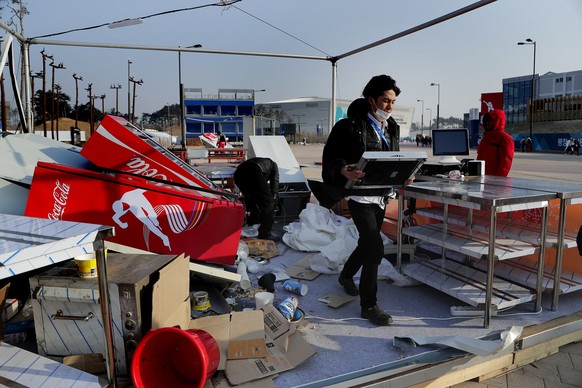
(258,181)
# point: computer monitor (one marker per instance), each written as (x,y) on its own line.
(448,143)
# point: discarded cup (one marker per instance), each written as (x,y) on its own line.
(200,301)
(295,287)
(288,306)
(263,299)
(267,281)
(87,265)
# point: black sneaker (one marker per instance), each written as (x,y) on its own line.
(377,316)
(349,286)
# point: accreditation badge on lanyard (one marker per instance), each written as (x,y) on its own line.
(379,131)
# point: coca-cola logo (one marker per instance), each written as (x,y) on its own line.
(60,196)
(138,166)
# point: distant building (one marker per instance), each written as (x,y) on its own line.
(548,89)
(222,112)
(311,114)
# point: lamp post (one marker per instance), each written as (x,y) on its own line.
(533,78)
(181,91)
(102,97)
(38,74)
(255,91)
(299,122)
(116,87)
(421,116)
(430,119)
(135,82)
(59,66)
(77,79)
(45,56)
(128,90)
(438,102)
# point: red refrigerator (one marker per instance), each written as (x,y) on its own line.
(158,217)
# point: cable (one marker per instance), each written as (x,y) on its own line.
(223,3)
(421,318)
(280,30)
(394,319)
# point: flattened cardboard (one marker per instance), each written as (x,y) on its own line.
(247,335)
(286,349)
(171,295)
(336,301)
(262,248)
(217,326)
(302,270)
(238,335)
(276,361)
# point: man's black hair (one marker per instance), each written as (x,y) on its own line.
(378,85)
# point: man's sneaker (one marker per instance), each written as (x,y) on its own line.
(349,286)
(377,316)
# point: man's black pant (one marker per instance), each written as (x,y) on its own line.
(258,198)
(368,254)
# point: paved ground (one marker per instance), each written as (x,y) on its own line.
(561,370)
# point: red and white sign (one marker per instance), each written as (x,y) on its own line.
(160,218)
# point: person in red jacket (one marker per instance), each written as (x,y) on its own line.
(496,148)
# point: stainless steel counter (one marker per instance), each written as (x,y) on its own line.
(491,198)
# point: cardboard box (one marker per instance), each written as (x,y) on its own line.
(286,349)
(238,335)
(262,248)
(171,295)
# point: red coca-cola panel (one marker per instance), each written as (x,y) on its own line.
(155,217)
(118,145)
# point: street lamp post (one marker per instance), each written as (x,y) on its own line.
(438,102)
(421,116)
(44,58)
(299,122)
(77,79)
(430,118)
(59,66)
(181,90)
(38,74)
(102,97)
(255,91)
(128,90)
(533,78)
(116,87)
(135,82)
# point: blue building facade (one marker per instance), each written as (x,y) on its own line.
(222,112)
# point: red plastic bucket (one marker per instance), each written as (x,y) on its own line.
(172,357)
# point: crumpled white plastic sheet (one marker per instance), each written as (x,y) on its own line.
(334,237)
(476,346)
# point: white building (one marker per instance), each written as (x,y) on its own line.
(311,114)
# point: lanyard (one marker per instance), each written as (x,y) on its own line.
(379,131)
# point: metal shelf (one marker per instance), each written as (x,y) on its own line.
(474,244)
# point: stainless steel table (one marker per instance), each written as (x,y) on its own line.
(493,199)
(567,192)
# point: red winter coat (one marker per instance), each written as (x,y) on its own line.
(496,148)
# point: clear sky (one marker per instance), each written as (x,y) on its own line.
(467,55)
